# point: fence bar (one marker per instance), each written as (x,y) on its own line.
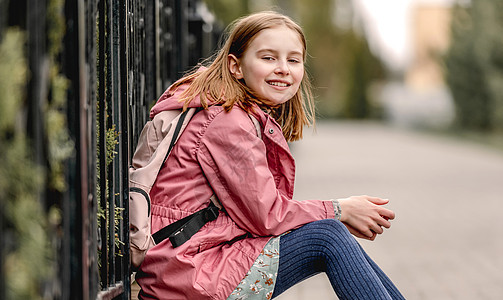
(89,33)
(102,96)
(112,88)
(75,279)
(124,264)
(116,119)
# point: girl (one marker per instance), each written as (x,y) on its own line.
(263,242)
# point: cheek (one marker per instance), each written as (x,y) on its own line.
(299,76)
(299,73)
(253,74)
(261,70)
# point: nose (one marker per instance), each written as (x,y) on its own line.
(282,67)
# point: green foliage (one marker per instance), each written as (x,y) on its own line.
(60,146)
(27,259)
(228,10)
(474,64)
(13,73)
(111,141)
(29,263)
(362,69)
(56,25)
(341,64)
(326,68)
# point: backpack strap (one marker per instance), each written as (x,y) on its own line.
(178,130)
(258,128)
(182,230)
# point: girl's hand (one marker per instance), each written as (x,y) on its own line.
(356,233)
(365,216)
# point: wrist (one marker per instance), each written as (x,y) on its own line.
(343,209)
(337,209)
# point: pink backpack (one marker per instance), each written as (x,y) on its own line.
(156,140)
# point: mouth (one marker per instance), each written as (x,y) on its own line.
(278,83)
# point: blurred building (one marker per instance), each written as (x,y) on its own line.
(430,35)
(422,99)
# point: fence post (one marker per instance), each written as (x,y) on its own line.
(75,272)
(124,158)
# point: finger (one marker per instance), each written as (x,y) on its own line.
(352,230)
(372,236)
(386,213)
(377,200)
(369,232)
(383,222)
(357,233)
(376,228)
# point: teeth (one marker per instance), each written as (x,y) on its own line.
(278,83)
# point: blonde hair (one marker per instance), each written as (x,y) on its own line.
(216,84)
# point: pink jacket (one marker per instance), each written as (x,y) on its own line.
(253,178)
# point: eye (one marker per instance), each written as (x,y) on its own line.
(294,60)
(268,58)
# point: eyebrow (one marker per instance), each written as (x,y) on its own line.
(275,51)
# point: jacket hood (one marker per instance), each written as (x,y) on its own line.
(170,100)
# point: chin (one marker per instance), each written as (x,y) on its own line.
(279,102)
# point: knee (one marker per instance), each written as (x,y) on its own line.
(323,241)
(331,225)
(332,232)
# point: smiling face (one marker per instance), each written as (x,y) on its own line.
(272,66)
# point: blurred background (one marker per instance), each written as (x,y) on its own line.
(409,97)
(417,63)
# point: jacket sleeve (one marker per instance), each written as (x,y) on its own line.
(235,163)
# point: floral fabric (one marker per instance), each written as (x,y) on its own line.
(259,282)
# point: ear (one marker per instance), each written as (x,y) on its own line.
(234,67)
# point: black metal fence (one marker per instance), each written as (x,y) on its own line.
(117,58)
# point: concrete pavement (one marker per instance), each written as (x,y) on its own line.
(446,242)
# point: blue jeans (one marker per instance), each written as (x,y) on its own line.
(327,246)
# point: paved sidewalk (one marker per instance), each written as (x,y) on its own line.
(446,242)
